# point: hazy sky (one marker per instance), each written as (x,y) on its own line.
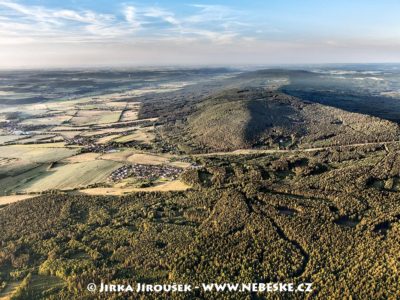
(98,32)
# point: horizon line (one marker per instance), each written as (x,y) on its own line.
(189,66)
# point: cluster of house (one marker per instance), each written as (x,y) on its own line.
(13,128)
(20,132)
(89,145)
(100,148)
(81,141)
(145,172)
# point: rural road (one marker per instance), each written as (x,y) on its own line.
(272,151)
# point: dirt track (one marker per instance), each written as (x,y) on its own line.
(271,151)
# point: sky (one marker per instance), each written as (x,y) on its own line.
(74,33)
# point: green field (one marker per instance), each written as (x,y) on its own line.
(72,176)
(37,153)
(91,117)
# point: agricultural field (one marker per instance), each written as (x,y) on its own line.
(9,138)
(168,186)
(93,117)
(44,145)
(72,176)
(5,200)
(129,115)
(141,135)
(45,148)
(45,121)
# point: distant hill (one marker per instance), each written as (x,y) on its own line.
(256,117)
(242,119)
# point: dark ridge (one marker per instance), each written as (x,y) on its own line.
(377,106)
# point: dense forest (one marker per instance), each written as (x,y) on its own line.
(327,217)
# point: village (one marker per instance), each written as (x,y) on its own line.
(141,171)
